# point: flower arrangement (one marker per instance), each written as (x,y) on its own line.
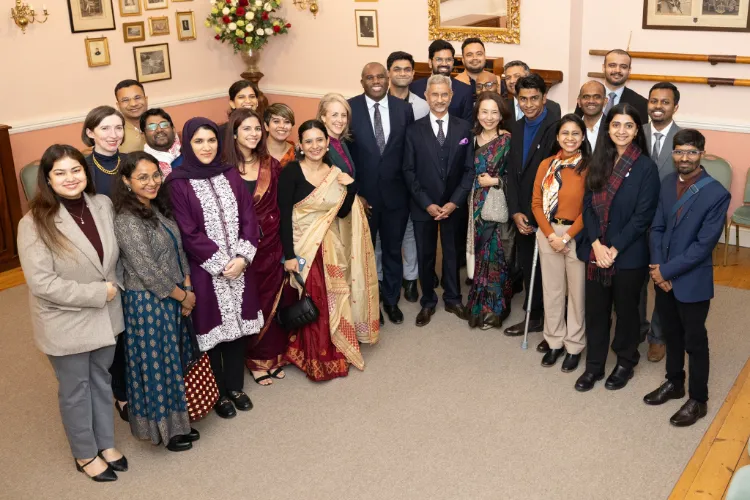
(245,24)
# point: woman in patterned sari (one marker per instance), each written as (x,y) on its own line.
(491,291)
(326,238)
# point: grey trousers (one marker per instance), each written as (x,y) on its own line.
(652,330)
(409,248)
(85,398)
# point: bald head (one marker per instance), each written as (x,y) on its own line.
(592,98)
(375,81)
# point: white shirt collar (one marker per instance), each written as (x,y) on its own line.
(618,92)
(664,131)
(370,103)
(434,118)
(597,125)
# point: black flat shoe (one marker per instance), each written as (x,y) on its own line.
(103,477)
(119,465)
(241,400)
(423,318)
(474,321)
(468,282)
(542,347)
(490,320)
(411,293)
(224,408)
(551,357)
(458,309)
(570,363)
(192,436)
(664,393)
(179,443)
(123,411)
(586,381)
(394,314)
(535,325)
(618,378)
(690,413)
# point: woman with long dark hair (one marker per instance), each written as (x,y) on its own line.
(622,190)
(157,296)
(69,257)
(557,204)
(246,149)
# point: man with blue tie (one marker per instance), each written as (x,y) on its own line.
(378,125)
(688,223)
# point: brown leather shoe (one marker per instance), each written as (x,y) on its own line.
(457,309)
(423,318)
(656,352)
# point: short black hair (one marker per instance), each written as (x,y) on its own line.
(128,83)
(399,55)
(619,52)
(667,86)
(154,112)
(469,41)
(439,45)
(689,137)
(532,81)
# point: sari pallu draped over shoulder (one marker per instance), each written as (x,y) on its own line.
(349,264)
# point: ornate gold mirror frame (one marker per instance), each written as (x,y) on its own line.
(511,33)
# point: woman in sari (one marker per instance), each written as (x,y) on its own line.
(491,290)
(326,239)
(246,148)
(279,120)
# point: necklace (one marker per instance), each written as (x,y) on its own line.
(80,217)
(488,140)
(108,172)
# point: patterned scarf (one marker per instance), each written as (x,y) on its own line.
(552,182)
(601,203)
(165,158)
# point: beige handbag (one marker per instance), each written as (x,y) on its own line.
(495,208)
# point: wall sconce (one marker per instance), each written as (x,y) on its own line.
(24,14)
(311,5)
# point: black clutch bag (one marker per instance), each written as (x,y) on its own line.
(302,312)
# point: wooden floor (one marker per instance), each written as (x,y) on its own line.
(724,447)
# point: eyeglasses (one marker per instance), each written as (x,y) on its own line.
(137,99)
(447,60)
(486,86)
(154,126)
(691,154)
(145,179)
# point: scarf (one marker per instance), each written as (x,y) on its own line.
(552,182)
(165,158)
(601,203)
(192,167)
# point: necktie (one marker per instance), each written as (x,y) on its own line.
(379,133)
(656,149)
(441,134)
(610,103)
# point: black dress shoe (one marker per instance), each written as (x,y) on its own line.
(423,318)
(192,436)
(618,378)
(542,347)
(411,293)
(586,381)
(179,443)
(664,393)
(570,363)
(382,321)
(468,281)
(458,309)
(690,413)
(535,325)
(394,314)
(551,357)
(103,477)
(224,408)
(123,411)
(240,400)
(119,465)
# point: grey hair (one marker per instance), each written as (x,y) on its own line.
(439,80)
(517,63)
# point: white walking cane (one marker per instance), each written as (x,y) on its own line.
(525,344)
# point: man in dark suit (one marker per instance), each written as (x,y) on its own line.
(616,69)
(531,142)
(682,271)
(591,100)
(441,61)
(378,124)
(513,71)
(438,168)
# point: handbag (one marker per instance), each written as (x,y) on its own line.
(299,314)
(495,208)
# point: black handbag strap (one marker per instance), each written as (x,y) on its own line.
(298,279)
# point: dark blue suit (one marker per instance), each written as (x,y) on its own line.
(381,183)
(681,245)
(462,104)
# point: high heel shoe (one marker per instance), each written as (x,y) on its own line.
(120,465)
(103,477)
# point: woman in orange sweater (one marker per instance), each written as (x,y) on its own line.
(557,205)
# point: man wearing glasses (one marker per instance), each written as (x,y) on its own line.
(161,141)
(132,103)
(512,72)
(682,272)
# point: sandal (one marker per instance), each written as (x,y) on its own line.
(261,379)
(275,373)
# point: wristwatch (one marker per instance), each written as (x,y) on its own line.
(565,240)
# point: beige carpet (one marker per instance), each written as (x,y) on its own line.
(441,412)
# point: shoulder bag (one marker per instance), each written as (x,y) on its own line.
(299,314)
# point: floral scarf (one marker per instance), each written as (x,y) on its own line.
(552,182)
(165,158)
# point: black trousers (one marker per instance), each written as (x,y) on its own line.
(525,255)
(117,370)
(684,328)
(625,294)
(391,224)
(228,365)
(426,234)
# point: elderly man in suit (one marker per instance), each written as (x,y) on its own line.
(682,271)
(378,124)
(438,168)
(514,71)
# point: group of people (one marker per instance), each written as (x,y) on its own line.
(158,245)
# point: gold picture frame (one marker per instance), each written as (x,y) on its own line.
(155,4)
(712,15)
(152,63)
(158,26)
(134,32)
(366,28)
(97,52)
(91,15)
(185,23)
(510,34)
(129,8)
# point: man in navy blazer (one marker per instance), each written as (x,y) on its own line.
(378,125)
(439,169)
(687,225)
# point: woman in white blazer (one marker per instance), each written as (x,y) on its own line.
(69,257)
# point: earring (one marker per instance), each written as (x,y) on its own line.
(302,153)
(128,188)
(328,149)
(235,137)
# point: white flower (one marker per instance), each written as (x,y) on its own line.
(213,2)
(231,26)
(269,31)
(258,3)
(249,52)
(260,32)
(249,28)
(225,11)
(268,7)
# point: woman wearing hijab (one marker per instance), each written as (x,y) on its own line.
(215,214)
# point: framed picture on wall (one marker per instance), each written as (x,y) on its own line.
(152,63)
(91,15)
(697,15)
(185,25)
(366,26)
(133,32)
(129,7)
(97,52)
(155,4)
(158,26)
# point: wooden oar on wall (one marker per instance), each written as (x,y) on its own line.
(704,80)
(671,56)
